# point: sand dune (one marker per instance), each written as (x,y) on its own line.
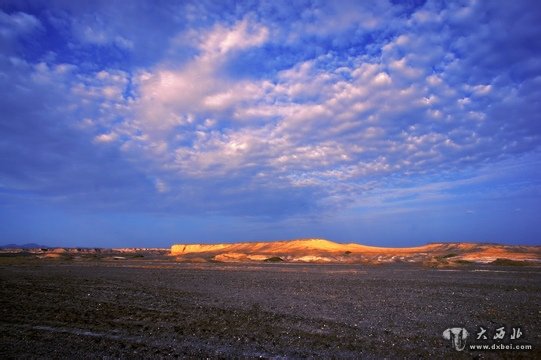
(322,250)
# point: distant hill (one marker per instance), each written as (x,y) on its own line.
(325,251)
(23,246)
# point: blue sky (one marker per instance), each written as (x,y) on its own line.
(148,123)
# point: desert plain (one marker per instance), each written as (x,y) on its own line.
(287,300)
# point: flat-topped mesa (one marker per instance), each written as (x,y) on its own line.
(308,250)
(306,246)
(263,247)
(289,246)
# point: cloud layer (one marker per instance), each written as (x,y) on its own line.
(271,110)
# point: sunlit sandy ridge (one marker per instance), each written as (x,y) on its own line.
(321,250)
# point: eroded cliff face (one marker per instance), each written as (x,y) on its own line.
(196,248)
(325,251)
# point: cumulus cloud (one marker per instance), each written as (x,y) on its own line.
(383,92)
(16,27)
(106,138)
(18,23)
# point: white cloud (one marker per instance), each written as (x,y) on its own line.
(161,186)
(481,89)
(106,138)
(382,79)
(402,67)
(307,121)
(18,23)
(327,119)
(337,16)
(222,40)
(97,30)
(233,113)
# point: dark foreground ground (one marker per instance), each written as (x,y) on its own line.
(161,309)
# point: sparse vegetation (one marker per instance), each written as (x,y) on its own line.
(464,262)
(509,262)
(449,255)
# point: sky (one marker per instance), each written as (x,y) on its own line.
(149,123)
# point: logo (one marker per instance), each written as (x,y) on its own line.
(457,336)
(499,338)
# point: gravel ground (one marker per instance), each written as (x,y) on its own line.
(162,309)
